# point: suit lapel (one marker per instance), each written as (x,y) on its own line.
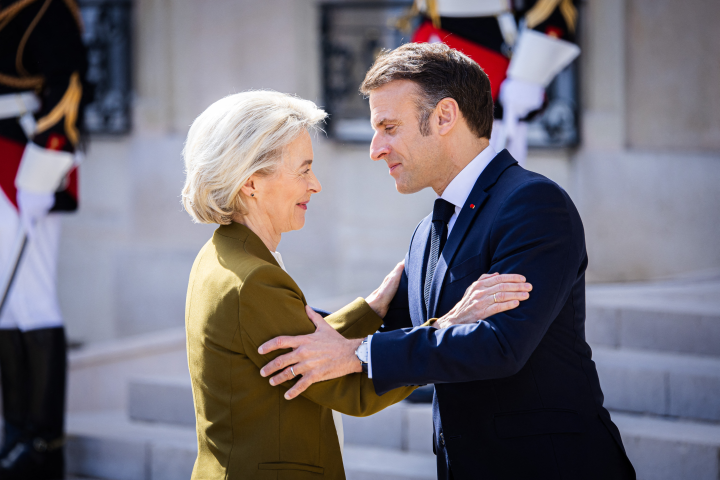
(416,274)
(474,203)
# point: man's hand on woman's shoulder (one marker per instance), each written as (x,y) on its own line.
(320,356)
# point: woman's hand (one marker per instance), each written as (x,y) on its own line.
(380,299)
(491,294)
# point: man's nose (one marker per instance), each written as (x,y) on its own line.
(378,148)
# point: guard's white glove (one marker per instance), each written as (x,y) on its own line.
(519,98)
(523,97)
(33,207)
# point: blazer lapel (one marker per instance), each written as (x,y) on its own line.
(416,280)
(474,203)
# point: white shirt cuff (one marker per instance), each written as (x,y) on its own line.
(369,342)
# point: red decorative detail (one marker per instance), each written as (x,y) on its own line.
(55,141)
(553,31)
(10,155)
(472,205)
(72,185)
(494,64)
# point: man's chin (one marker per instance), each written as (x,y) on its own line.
(405,188)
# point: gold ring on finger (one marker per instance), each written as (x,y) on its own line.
(495,298)
(292,371)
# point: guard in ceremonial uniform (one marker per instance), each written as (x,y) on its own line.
(42,67)
(520,44)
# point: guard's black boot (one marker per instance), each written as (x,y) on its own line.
(39,454)
(15,395)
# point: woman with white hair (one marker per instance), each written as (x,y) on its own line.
(249,168)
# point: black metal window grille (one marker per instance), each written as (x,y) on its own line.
(354,32)
(108,41)
(557,124)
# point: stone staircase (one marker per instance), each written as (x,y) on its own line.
(657,347)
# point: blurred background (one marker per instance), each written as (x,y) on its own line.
(632,132)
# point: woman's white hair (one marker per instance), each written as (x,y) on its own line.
(238,136)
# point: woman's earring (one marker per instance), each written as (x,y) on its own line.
(252,194)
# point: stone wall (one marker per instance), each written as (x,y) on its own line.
(645,176)
(673,75)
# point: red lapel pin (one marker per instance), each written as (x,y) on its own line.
(472,205)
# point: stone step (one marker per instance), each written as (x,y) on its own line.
(372,463)
(108,446)
(662,449)
(161,399)
(168,401)
(99,372)
(667,384)
(404,426)
(677,316)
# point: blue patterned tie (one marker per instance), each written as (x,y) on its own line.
(442,211)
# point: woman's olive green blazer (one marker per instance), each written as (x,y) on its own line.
(239,298)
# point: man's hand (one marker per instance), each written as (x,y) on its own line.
(380,299)
(487,296)
(322,355)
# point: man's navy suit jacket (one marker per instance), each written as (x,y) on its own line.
(517,395)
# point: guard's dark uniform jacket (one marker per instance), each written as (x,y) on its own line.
(482,38)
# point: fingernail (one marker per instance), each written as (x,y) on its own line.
(260,351)
(272,382)
(262,373)
(286,397)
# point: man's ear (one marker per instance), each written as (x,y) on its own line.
(448,113)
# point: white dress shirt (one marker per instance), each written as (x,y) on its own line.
(457,192)
(337,417)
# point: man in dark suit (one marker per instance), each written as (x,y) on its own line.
(517,395)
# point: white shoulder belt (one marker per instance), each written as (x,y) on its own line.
(13,105)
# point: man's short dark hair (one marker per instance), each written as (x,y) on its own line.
(440,72)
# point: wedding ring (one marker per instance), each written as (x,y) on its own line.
(292,371)
(495,298)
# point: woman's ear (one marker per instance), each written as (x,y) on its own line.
(249,187)
(448,112)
